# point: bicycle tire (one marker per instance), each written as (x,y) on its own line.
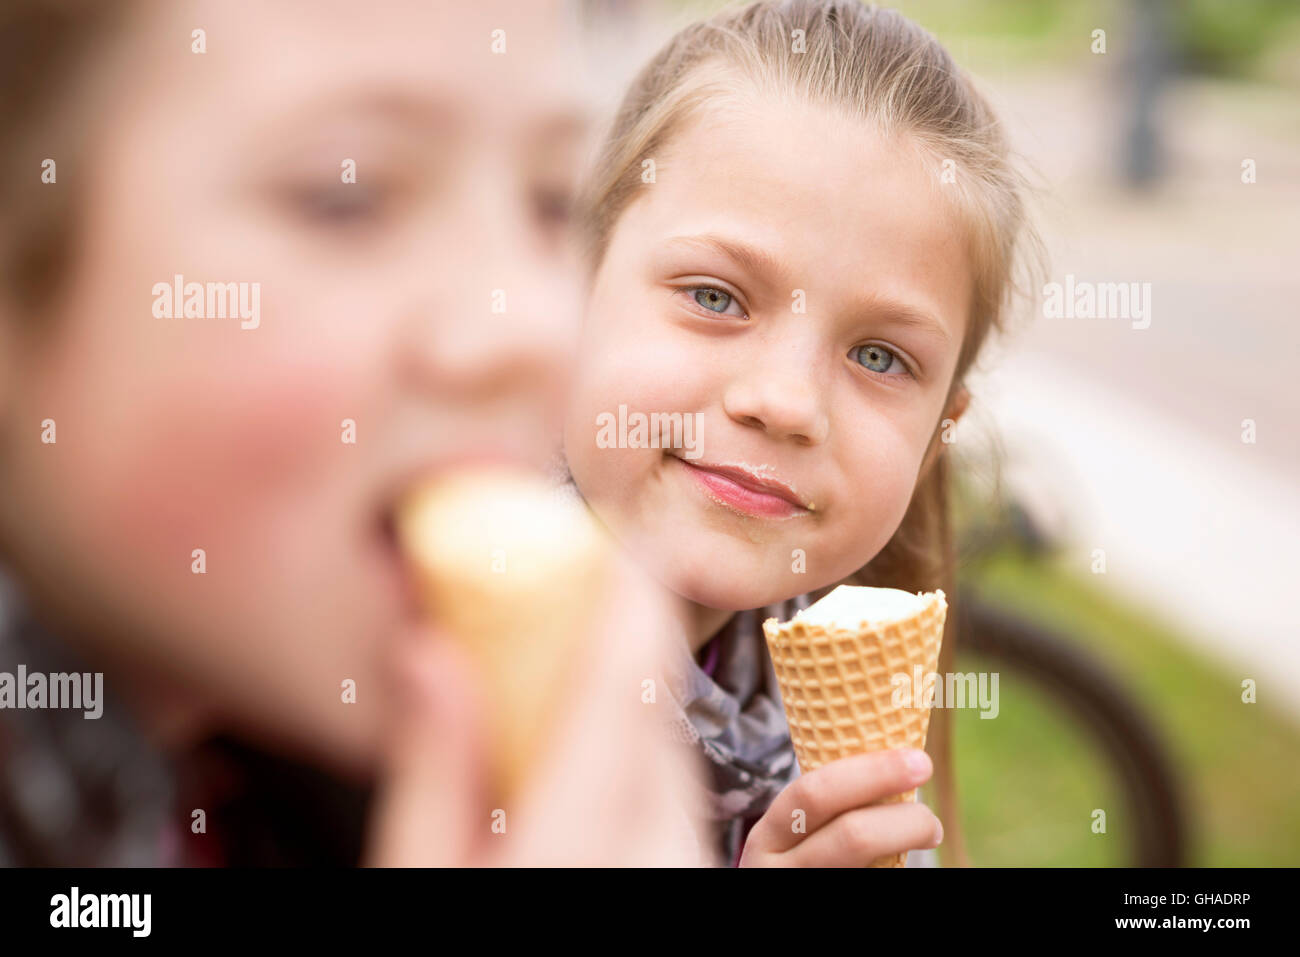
(1102,706)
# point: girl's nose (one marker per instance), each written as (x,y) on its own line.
(783,398)
(505,318)
(490,338)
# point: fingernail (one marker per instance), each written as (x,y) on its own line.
(918,763)
(938,833)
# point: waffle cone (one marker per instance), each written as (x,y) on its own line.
(838,687)
(509,570)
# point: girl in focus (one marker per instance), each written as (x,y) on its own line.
(802,228)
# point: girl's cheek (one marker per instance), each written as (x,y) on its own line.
(646,377)
(180,431)
(201,470)
(652,367)
(885,468)
(200,444)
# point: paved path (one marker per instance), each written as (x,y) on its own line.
(1204,538)
(1138,432)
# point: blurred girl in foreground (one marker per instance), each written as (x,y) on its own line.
(211,141)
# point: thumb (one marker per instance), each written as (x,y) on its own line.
(428,802)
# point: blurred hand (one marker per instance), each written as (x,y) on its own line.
(841,825)
(610,789)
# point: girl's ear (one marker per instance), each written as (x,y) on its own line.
(7,357)
(12,348)
(956,408)
(957,405)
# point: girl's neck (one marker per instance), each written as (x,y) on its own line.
(170,717)
(702,623)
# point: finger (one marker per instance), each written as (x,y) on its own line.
(609,792)
(428,809)
(819,796)
(667,814)
(858,837)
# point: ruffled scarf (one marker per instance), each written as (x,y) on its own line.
(734,717)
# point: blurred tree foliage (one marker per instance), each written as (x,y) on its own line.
(1219,37)
(1230,38)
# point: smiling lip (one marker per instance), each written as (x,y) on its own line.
(746,491)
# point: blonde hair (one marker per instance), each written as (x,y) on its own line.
(878,67)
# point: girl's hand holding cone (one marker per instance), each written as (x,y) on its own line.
(607,789)
(833,816)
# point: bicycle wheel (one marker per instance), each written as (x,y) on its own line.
(1102,707)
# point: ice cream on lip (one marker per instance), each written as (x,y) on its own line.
(755,491)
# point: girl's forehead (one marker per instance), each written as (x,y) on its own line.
(797,195)
(494,61)
(785,165)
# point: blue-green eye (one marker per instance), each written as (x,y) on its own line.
(715,300)
(878,359)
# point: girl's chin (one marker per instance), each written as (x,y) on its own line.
(732,596)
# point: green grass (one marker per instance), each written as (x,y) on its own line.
(1028,781)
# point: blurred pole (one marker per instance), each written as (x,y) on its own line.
(1148,70)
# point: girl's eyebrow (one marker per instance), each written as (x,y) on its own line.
(430,111)
(891,310)
(379,102)
(750,258)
